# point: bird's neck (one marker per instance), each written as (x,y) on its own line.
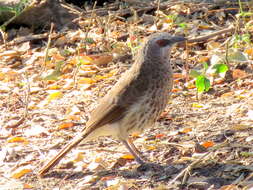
(159,57)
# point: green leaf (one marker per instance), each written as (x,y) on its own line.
(205,65)
(89,40)
(182,25)
(244,14)
(172,17)
(194,73)
(246,38)
(202,83)
(220,68)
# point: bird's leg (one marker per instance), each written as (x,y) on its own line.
(130,142)
(133,152)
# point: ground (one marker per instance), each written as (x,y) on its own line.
(201,141)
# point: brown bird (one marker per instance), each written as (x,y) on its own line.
(134,102)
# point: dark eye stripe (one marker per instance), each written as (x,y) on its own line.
(163,42)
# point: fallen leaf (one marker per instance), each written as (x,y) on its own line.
(178,76)
(54,95)
(86,81)
(196,105)
(65,125)
(208,144)
(186,130)
(161,135)
(229,187)
(101,59)
(228,94)
(27,186)
(21,173)
(238,73)
(79,157)
(17,139)
(106,178)
(127,157)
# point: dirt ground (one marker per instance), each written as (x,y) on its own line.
(201,141)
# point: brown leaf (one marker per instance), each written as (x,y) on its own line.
(238,73)
(101,59)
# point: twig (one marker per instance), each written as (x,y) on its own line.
(188,168)
(203,38)
(27,100)
(48,45)
(157,13)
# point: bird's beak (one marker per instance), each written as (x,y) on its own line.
(178,39)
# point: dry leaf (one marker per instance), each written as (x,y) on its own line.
(27,186)
(79,157)
(196,105)
(249,51)
(208,144)
(17,139)
(228,94)
(21,173)
(86,81)
(73,117)
(178,76)
(127,157)
(238,73)
(101,59)
(186,130)
(54,95)
(160,135)
(65,125)
(174,90)
(230,187)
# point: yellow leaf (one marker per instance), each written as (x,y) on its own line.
(54,87)
(79,157)
(128,157)
(186,130)
(100,77)
(2,76)
(21,173)
(249,51)
(86,81)
(17,139)
(85,60)
(54,95)
(196,105)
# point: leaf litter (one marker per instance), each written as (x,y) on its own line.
(202,140)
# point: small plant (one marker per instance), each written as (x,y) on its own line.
(202,82)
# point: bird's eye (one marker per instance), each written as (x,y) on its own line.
(163,42)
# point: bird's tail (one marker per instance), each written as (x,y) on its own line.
(61,154)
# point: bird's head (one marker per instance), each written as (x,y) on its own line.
(159,44)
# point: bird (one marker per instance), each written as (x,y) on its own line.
(135,102)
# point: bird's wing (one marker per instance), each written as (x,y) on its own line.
(116,103)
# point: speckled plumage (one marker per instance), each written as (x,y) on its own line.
(135,101)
